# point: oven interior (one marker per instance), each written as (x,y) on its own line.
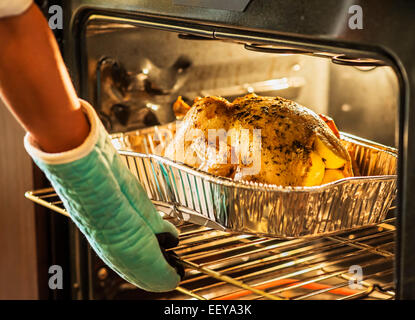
(133,74)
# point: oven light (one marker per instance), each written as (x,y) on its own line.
(346,107)
(152,106)
(277,84)
(145,71)
(296,67)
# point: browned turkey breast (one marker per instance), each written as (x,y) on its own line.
(264,139)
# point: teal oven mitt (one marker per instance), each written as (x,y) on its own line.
(112,210)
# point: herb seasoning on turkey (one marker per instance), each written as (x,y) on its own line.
(297,146)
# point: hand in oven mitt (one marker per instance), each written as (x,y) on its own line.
(112,209)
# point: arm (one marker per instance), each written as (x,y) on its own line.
(70,145)
(34,81)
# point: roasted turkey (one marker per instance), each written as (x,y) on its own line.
(270,140)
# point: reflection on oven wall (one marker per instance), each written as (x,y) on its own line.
(364,101)
(141,76)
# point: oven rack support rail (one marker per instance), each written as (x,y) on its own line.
(223,266)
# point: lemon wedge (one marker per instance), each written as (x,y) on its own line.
(331,160)
(332,175)
(316,171)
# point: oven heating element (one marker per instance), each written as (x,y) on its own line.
(356,264)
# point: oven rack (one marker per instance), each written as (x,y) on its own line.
(219,265)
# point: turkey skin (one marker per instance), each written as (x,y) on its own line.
(269,140)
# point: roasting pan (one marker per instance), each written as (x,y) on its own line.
(191,195)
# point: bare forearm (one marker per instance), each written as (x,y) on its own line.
(35,85)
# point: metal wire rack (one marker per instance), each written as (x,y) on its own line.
(223,266)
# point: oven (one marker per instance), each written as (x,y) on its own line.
(132,59)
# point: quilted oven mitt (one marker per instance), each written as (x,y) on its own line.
(112,209)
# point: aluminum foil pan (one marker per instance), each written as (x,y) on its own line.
(191,195)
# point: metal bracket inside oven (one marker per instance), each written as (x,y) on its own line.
(182,215)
